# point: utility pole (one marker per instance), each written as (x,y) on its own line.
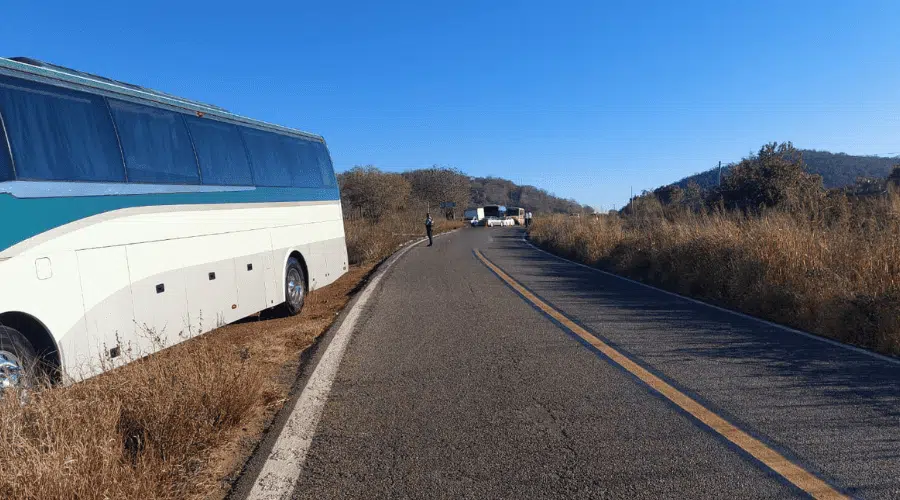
(631,199)
(720,172)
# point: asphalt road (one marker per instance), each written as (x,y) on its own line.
(453,385)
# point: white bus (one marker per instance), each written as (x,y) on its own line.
(516,214)
(129,214)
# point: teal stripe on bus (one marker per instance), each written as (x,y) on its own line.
(23,218)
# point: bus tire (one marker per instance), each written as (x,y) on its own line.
(18,360)
(294,288)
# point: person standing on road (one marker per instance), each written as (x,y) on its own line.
(527,219)
(428,223)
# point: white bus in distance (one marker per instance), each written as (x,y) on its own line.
(130,214)
(516,214)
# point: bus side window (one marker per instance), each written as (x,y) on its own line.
(59,134)
(306,168)
(156,144)
(220,149)
(270,157)
(6,170)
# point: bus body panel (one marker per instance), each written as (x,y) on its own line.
(108,302)
(121,259)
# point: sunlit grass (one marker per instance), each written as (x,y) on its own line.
(838,279)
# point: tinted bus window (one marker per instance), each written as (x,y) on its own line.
(156,144)
(6,170)
(271,157)
(306,171)
(59,134)
(325,167)
(223,159)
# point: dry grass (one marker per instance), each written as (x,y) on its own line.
(837,278)
(367,241)
(180,423)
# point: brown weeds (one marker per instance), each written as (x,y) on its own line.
(141,431)
(369,241)
(836,276)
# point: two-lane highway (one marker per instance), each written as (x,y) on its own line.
(484,368)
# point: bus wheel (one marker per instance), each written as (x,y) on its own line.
(17,360)
(294,288)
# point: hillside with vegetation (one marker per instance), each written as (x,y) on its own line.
(367,192)
(497,191)
(837,169)
(772,241)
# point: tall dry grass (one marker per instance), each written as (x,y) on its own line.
(142,431)
(837,276)
(371,241)
(175,424)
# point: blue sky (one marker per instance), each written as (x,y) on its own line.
(586,99)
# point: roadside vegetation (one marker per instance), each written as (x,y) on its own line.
(182,422)
(770,241)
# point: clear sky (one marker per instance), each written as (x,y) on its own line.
(586,99)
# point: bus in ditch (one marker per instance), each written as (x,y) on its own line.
(131,216)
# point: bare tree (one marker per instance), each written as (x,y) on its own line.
(435,185)
(370,193)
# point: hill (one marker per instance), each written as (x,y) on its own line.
(836,169)
(368,192)
(498,191)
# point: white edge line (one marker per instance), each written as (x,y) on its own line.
(860,350)
(284,464)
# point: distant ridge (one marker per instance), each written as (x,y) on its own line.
(499,191)
(836,169)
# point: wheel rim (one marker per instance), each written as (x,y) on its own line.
(295,287)
(11,372)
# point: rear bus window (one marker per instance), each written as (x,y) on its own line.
(223,159)
(325,167)
(59,134)
(155,143)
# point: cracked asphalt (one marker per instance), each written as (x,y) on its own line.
(453,386)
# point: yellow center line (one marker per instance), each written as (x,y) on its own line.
(797,475)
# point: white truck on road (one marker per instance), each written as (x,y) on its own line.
(474,215)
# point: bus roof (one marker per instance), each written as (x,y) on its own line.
(25,67)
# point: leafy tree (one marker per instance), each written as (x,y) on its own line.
(693,196)
(894,177)
(866,186)
(669,195)
(774,177)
